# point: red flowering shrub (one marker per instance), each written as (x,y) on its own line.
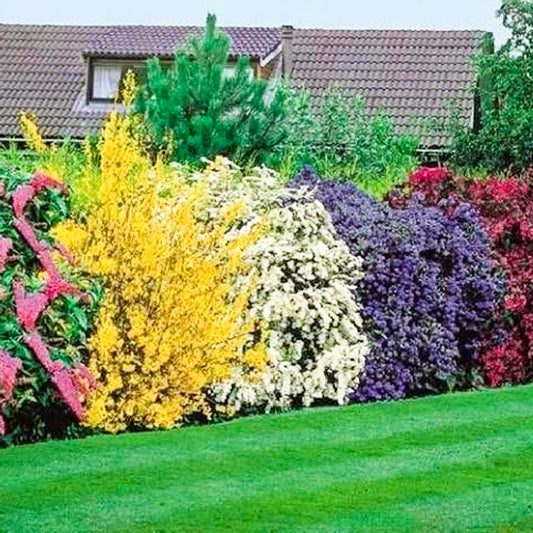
(435,183)
(506,207)
(43,316)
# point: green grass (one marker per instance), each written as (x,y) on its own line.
(460,462)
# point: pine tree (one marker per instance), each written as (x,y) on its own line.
(194,110)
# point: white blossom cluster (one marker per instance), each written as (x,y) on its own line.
(314,331)
(258,192)
(304,297)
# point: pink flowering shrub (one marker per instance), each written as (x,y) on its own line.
(45,315)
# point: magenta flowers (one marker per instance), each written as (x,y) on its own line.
(73,383)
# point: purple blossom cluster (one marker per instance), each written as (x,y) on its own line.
(428,289)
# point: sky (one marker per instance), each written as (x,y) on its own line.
(355,14)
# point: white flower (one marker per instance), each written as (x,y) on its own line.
(315,343)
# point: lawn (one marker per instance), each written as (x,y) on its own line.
(448,463)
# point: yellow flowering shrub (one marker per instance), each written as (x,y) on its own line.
(30,132)
(173,318)
(62,160)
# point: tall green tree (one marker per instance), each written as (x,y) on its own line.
(201,108)
(503,141)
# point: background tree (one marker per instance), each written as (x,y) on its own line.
(342,138)
(504,140)
(194,109)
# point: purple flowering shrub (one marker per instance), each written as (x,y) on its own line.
(429,286)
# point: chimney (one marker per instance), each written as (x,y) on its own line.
(286,50)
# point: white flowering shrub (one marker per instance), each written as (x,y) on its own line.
(259,191)
(311,322)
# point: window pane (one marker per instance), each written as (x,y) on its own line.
(106,81)
(231,70)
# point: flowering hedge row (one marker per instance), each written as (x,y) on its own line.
(506,209)
(428,288)
(226,292)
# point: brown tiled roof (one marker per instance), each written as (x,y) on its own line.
(42,68)
(410,74)
(144,41)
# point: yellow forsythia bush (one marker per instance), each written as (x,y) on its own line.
(172,321)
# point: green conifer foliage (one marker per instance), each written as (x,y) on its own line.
(197,109)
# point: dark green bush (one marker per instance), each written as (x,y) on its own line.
(503,142)
(194,110)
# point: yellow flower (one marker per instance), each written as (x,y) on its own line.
(31,132)
(172,321)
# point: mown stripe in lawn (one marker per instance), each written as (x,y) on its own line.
(337,475)
(170,455)
(324,425)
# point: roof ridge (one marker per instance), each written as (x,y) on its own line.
(129,26)
(388,30)
(24,25)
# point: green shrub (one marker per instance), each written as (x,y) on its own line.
(344,139)
(13,156)
(503,142)
(193,110)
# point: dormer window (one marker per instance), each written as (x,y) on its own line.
(106,78)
